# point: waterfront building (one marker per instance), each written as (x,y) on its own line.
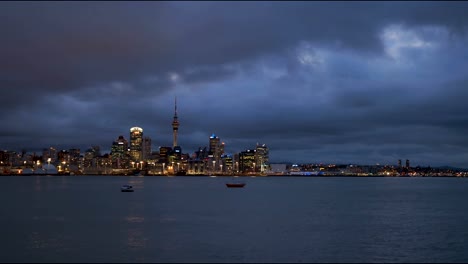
(278,169)
(261,158)
(196,166)
(227,163)
(136,142)
(247,161)
(197,163)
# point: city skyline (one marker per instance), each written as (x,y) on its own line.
(329,82)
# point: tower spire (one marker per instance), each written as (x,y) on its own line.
(175,124)
(175,107)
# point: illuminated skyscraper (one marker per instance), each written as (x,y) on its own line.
(215,151)
(175,125)
(247,160)
(214,145)
(119,148)
(119,153)
(136,142)
(261,157)
(407,164)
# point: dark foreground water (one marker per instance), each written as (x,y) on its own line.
(198,219)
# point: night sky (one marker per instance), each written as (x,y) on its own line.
(331,82)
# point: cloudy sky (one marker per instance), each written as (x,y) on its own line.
(331,82)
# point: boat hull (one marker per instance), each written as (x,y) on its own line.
(235,185)
(127,188)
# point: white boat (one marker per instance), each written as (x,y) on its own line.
(126,188)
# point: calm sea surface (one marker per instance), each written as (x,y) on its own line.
(198,219)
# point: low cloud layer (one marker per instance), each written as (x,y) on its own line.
(361,82)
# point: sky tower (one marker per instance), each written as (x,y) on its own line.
(175,124)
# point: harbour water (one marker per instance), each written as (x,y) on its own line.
(198,219)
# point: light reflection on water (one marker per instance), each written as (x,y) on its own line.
(38,240)
(134,219)
(136,238)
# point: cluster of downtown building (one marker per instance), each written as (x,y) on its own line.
(128,156)
(135,155)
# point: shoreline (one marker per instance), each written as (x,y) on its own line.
(240,176)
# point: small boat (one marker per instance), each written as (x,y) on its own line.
(235,185)
(126,188)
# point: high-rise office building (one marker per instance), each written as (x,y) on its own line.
(227,162)
(261,157)
(407,164)
(215,152)
(399,163)
(214,145)
(175,125)
(164,153)
(247,160)
(177,153)
(136,143)
(146,148)
(119,148)
(120,153)
(221,149)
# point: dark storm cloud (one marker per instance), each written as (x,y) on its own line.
(325,81)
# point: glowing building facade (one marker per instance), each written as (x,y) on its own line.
(261,158)
(136,143)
